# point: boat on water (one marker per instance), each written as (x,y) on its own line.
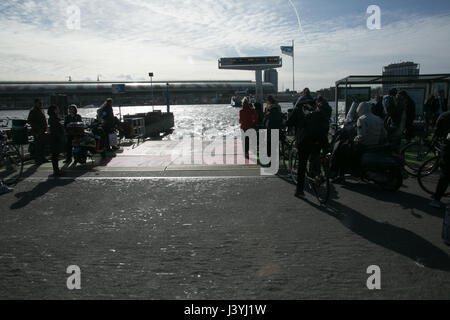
(236,100)
(152,124)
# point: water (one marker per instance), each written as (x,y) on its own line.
(199,120)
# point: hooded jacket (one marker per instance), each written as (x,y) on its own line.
(370,128)
(248,118)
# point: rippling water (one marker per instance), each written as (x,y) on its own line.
(189,119)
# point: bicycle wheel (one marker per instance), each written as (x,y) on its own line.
(415,155)
(428,175)
(11,165)
(320,181)
(293,163)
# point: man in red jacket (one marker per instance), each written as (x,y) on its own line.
(248,119)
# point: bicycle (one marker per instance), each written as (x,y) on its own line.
(317,174)
(11,160)
(429,175)
(416,153)
(286,145)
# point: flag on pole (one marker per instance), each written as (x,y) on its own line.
(287,50)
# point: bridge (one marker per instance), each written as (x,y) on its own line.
(19,95)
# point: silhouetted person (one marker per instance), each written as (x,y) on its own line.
(260,113)
(105,115)
(273,120)
(408,105)
(311,126)
(38,123)
(58,135)
(72,117)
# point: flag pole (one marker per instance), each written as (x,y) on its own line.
(293,66)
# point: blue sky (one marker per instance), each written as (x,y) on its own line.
(126,39)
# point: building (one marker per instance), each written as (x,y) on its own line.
(271,76)
(400,69)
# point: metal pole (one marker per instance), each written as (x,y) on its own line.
(167,98)
(153,101)
(336,96)
(259,86)
(293,67)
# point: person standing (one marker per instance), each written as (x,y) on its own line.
(273,120)
(38,123)
(395,119)
(248,120)
(429,111)
(311,134)
(105,115)
(58,135)
(260,113)
(72,117)
(409,107)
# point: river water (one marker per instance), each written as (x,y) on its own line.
(200,120)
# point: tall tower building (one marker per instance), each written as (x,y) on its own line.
(271,76)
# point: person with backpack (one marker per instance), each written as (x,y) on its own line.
(312,127)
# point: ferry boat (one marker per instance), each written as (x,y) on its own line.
(236,100)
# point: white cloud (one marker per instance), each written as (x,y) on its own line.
(183,40)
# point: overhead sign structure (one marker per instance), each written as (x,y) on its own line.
(257,64)
(250,63)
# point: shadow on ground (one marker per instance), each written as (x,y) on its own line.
(407,200)
(393,238)
(399,240)
(25,198)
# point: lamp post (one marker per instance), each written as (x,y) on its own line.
(151,84)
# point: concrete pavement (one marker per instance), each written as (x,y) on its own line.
(215,233)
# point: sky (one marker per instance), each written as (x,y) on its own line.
(124,40)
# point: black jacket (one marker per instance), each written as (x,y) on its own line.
(71,119)
(312,127)
(57,133)
(273,119)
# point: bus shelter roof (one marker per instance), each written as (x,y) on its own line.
(392,79)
